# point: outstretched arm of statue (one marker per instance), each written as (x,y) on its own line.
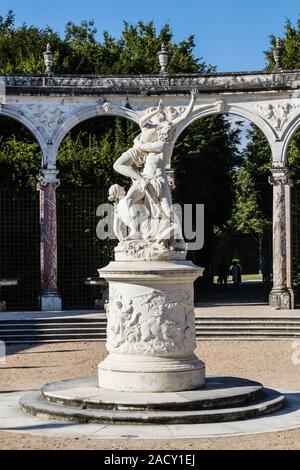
(146,117)
(189,109)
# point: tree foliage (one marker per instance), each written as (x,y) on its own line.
(291,47)
(252,208)
(87,154)
(80,51)
(290,60)
(204,160)
(204,157)
(253,195)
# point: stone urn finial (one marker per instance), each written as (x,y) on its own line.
(163,57)
(48,58)
(277,54)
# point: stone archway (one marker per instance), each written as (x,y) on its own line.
(22,157)
(88,145)
(25,121)
(207,183)
(51,105)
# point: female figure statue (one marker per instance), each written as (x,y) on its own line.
(145,163)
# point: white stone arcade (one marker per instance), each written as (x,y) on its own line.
(49,106)
(151,374)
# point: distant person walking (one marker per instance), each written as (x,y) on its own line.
(265,270)
(236,274)
(222,273)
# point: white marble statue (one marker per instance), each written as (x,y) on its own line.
(145,223)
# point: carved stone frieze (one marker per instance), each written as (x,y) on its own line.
(277,114)
(156,322)
(280,299)
(50,116)
(152,83)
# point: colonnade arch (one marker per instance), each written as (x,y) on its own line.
(21,160)
(78,197)
(51,105)
(26,122)
(236,111)
(233,248)
(79,117)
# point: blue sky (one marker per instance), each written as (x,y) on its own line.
(231,34)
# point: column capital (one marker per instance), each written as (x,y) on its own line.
(281,176)
(47,176)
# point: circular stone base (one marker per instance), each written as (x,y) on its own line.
(217,393)
(222,399)
(150,373)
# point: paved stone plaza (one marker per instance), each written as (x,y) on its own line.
(30,367)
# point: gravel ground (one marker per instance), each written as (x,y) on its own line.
(29,367)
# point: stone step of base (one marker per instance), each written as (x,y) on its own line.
(54,336)
(102,324)
(211,336)
(48,341)
(280,336)
(90,329)
(250,322)
(247,319)
(42,328)
(34,404)
(51,323)
(219,392)
(247,328)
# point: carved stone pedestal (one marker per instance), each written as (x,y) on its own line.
(50,301)
(281,299)
(151,331)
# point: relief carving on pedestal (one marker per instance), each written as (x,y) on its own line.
(280,299)
(151,323)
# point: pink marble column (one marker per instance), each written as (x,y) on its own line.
(50,299)
(281,294)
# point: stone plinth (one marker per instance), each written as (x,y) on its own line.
(223,399)
(6,283)
(151,330)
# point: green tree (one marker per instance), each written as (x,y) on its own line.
(205,155)
(204,159)
(87,154)
(291,47)
(290,60)
(252,207)
(19,163)
(79,51)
